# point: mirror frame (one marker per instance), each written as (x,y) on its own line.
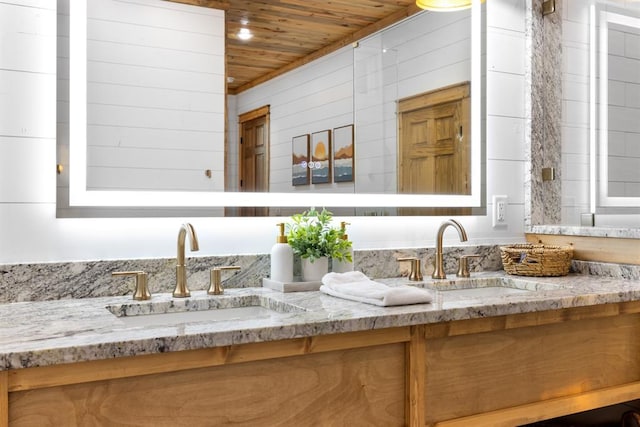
(79,196)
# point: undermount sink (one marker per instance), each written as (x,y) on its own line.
(487,288)
(205,309)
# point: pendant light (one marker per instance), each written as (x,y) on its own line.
(443,5)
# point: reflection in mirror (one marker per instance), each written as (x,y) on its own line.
(434,146)
(155,97)
(418,123)
(619,118)
(168,101)
(139,91)
(601,114)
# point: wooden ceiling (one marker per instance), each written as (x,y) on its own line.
(291,33)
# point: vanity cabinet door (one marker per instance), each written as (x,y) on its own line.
(506,370)
(351,387)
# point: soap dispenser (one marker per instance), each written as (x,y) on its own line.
(343,266)
(282,258)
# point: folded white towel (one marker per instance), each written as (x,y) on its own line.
(356,286)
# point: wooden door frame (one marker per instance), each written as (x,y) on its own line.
(246,117)
(264,111)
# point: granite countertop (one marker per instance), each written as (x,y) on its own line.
(570,230)
(64,331)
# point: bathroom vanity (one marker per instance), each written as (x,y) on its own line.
(491,350)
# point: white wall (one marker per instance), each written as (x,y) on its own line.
(506,113)
(30,232)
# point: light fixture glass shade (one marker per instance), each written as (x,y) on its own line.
(443,5)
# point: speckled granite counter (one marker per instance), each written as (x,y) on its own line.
(568,230)
(64,331)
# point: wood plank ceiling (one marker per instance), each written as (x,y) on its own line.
(291,33)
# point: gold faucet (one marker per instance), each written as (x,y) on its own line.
(181,290)
(438,272)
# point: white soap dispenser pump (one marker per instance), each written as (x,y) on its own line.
(282,259)
(343,266)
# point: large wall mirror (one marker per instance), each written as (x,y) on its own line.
(601,113)
(617,157)
(145,131)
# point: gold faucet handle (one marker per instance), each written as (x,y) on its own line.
(416,274)
(215,284)
(463,265)
(142,289)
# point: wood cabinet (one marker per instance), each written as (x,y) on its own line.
(499,371)
(514,376)
(351,379)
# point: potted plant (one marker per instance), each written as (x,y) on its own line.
(315,240)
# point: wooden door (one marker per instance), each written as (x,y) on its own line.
(254,156)
(434,150)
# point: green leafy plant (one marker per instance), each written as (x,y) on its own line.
(311,236)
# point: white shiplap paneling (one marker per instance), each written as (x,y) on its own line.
(151,69)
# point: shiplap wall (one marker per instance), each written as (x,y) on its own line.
(30,231)
(27,105)
(426,52)
(155,96)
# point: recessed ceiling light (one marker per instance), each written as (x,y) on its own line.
(230,79)
(244,34)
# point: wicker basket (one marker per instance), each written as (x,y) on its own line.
(536,259)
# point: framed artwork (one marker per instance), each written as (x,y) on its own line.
(343,154)
(320,164)
(300,160)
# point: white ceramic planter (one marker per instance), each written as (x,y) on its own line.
(313,271)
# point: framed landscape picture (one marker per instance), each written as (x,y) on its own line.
(343,154)
(320,165)
(300,160)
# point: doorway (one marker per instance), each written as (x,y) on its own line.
(254,156)
(434,146)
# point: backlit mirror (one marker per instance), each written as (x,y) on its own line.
(178,168)
(600,174)
(617,156)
